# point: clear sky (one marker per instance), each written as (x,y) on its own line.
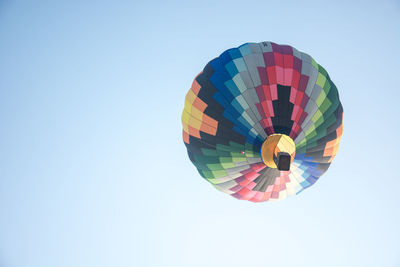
(93,169)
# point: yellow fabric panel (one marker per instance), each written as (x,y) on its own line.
(190,96)
(199,121)
(185,128)
(193,111)
(195,123)
(286,144)
(335,150)
(185,117)
(197,113)
(188,106)
(268,149)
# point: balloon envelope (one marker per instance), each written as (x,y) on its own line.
(262,121)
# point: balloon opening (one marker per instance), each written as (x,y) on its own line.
(278,151)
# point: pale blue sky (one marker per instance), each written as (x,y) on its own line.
(93,171)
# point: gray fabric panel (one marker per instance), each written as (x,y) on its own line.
(260,184)
(307,126)
(251,97)
(223,179)
(306,68)
(296,53)
(237,169)
(247,79)
(254,61)
(250,112)
(255,48)
(316,92)
(234,175)
(311,81)
(267,177)
(224,187)
(306,58)
(299,138)
(242,163)
(245,49)
(240,99)
(254,160)
(311,108)
(260,130)
(250,94)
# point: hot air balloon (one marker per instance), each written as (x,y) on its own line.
(262,121)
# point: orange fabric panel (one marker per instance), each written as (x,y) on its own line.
(194,132)
(196,86)
(185,136)
(199,104)
(207,129)
(210,121)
